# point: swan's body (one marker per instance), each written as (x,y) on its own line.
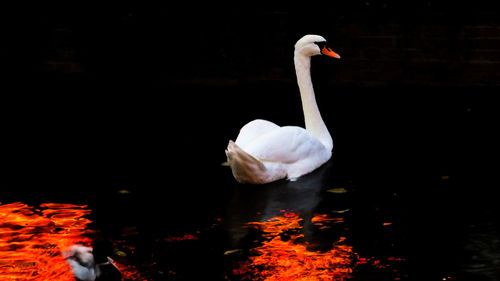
(81,261)
(264,152)
(84,266)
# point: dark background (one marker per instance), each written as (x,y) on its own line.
(144,97)
(92,89)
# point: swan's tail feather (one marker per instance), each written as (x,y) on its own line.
(245,167)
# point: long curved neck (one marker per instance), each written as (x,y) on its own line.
(312,116)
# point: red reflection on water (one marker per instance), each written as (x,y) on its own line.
(180,238)
(323,221)
(31,241)
(288,259)
(284,256)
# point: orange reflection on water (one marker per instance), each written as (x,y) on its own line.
(31,241)
(323,221)
(280,258)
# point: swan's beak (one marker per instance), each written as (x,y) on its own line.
(327,51)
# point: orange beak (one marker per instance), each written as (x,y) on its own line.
(329,52)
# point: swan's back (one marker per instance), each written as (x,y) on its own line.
(285,152)
(254,129)
(294,148)
(81,261)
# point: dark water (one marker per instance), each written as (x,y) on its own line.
(148,162)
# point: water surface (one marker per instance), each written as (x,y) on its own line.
(406,195)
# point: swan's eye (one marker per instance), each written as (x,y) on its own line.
(320,44)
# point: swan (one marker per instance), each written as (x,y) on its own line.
(81,261)
(92,264)
(265,152)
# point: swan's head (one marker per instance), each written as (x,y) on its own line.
(312,45)
(81,254)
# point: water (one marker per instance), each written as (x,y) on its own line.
(413,164)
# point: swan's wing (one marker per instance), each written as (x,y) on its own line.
(252,130)
(81,272)
(287,145)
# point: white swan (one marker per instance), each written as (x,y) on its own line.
(91,264)
(264,152)
(81,260)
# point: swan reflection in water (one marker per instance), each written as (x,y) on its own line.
(251,203)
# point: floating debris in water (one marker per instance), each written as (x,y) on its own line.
(120,253)
(231,252)
(340,211)
(337,190)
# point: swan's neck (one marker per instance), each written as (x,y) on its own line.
(312,117)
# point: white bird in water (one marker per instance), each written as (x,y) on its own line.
(82,263)
(93,264)
(265,152)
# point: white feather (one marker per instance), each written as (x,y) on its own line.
(81,261)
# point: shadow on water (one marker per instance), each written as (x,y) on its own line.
(265,202)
